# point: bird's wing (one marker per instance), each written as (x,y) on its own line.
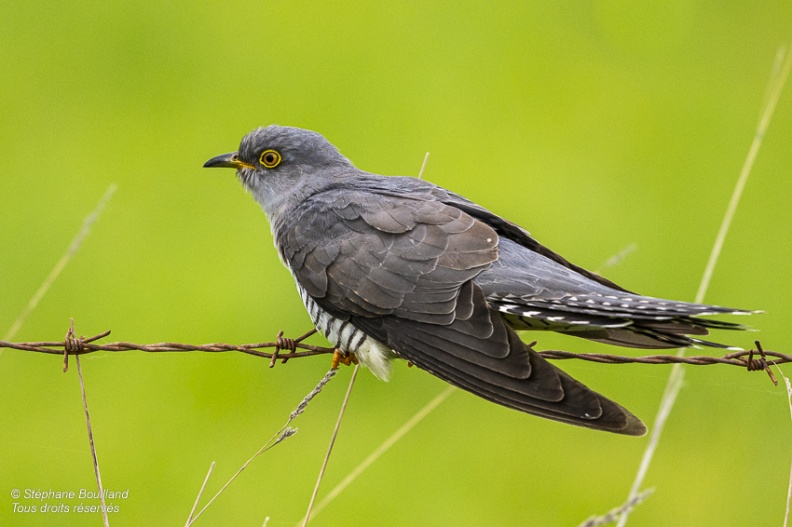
(537,288)
(520,236)
(402,270)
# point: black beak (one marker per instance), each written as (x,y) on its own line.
(230,160)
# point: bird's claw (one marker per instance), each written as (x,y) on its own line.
(339,357)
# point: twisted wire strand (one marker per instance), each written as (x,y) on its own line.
(752,360)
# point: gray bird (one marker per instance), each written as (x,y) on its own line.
(393,267)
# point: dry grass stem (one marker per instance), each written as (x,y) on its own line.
(666,405)
(789,486)
(283,432)
(775,87)
(69,341)
(200,493)
(330,447)
(308,398)
(617,258)
(61,263)
(384,447)
(423,166)
(98,474)
(614,514)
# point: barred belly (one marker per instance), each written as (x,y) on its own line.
(348,339)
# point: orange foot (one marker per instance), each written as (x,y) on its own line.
(340,357)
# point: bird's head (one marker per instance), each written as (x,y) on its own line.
(281,165)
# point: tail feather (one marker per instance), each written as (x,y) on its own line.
(632,321)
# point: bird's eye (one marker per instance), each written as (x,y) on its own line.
(270,158)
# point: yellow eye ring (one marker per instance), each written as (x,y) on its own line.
(270,158)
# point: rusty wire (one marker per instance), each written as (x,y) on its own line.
(73,345)
(743,358)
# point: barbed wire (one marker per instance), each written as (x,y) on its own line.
(72,345)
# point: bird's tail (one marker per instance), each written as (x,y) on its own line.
(579,404)
(522,380)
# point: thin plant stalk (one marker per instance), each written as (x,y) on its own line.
(61,263)
(97,473)
(776,85)
(200,493)
(330,447)
(283,433)
(789,486)
(73,247)
(423,166)
(383,448)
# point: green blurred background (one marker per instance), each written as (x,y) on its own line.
(597,125)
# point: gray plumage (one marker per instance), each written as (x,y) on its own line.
(398,267)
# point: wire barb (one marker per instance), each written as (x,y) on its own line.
(280,343)
(760,363)
(71,345)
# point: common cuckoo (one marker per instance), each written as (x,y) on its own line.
(393,267)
